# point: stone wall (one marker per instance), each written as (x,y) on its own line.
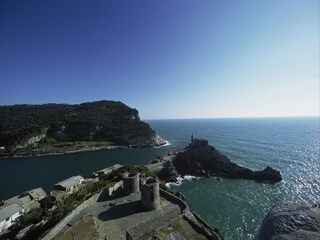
(116,187)
(159,221)
(162,219)
(202,227)
(57,228)
(198,223)
(174,199)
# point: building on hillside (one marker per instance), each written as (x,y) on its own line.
(69,185)
(36,194)
(106,171)
(57,195)
(24,201)
(8,215)
(13,207)
(12,200)
(27,203)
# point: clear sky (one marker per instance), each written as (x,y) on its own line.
(168,58)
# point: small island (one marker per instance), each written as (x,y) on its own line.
(34,130)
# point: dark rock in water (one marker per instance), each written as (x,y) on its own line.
(291,221)
(199,158)
(168,172)
(268,174)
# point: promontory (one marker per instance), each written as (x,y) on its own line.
(60,128)
(201,159)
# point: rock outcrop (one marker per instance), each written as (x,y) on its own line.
(201,159)
(291,221)
(107,121)
(168,172)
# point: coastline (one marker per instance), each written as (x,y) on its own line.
(250,138)
(167,143)
(93,149)
(87,149)
(93,199)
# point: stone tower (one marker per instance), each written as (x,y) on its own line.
(150,195)
(131,182)
(192,138)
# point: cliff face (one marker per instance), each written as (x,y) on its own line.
(131,133)
(22,125)
(291,221)
(199,158)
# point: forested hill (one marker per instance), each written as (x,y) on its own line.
(107,121)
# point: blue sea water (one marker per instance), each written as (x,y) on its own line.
(236,207)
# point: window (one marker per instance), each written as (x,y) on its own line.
(7,219)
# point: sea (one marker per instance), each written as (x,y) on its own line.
(236,207)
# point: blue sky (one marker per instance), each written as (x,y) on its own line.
(168,59)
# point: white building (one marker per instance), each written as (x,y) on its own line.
(27,200)
(8,215)
(69,185)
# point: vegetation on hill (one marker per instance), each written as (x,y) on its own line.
(21,126)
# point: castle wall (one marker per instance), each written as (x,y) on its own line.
(161,219)
(174,199)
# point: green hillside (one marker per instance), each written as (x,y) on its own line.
(22,126)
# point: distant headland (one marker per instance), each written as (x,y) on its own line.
(201,159)
(34,130)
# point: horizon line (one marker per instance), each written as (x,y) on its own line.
(208,118)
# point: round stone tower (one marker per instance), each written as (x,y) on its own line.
(131,182)
(150,196)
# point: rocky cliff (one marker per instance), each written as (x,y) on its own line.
(201,159)
(291,221)
(107,121)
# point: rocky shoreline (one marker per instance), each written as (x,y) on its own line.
(86,149)
(93,149)
(201,159)
(40,129)
(291,221)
